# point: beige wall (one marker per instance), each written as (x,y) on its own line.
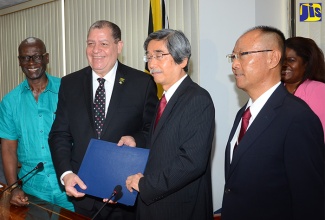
(43,22)
(63,26)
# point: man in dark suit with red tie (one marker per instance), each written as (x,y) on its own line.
(176,184)
(276,170)
(106,100)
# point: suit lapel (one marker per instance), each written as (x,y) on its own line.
(169,107)
(260,123)
(116,95)
(232,133)
(88,95)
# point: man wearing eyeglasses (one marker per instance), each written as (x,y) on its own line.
(176,184)
(26,117)
(274,161)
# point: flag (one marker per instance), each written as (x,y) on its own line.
(157,16)
(158,19)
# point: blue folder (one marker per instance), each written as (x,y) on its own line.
(106,165)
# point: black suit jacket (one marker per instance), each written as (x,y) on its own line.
(177,179)
(277,171)
(130,112)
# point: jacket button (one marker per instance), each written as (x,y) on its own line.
(227,190)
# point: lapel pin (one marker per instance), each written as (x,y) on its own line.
(121,81)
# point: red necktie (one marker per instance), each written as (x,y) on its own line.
(162,105)
(244,124)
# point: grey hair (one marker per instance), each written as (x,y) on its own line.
(177,44)
(116,31)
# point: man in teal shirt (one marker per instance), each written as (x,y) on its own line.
(26,117)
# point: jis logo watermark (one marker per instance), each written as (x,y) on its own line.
(310,12)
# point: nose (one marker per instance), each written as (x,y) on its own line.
(235,64)
(96,48)
(31,60)
(152,63)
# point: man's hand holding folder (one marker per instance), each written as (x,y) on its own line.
(132,182)
(127,141)
(70,180)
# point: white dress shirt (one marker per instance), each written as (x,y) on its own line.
(255,108)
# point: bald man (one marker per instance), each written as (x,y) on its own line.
(26,117)
(276,170)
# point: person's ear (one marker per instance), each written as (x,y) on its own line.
(119,46)
(47,58)
(274,58)
(184,63)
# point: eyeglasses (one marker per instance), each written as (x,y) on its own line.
(233,56)
(36,58)
(157,56)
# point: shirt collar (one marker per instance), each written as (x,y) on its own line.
(255,107)
(109,77)
(49,87)
(173,88)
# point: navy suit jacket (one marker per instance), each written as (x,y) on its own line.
(130,112)
(277,170)
(177,179)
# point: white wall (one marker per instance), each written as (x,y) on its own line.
(221,23)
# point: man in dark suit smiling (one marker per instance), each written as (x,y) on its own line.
(276,169)
(106,100)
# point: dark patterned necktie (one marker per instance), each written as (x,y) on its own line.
(162,105)
(244,124)
(99,106)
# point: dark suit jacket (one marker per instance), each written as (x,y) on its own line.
(177,179)
(130,112)
(277,171)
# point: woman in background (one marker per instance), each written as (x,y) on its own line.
(303,73)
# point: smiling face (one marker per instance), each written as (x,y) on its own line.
(32,69)
(293,69)
(102,50)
